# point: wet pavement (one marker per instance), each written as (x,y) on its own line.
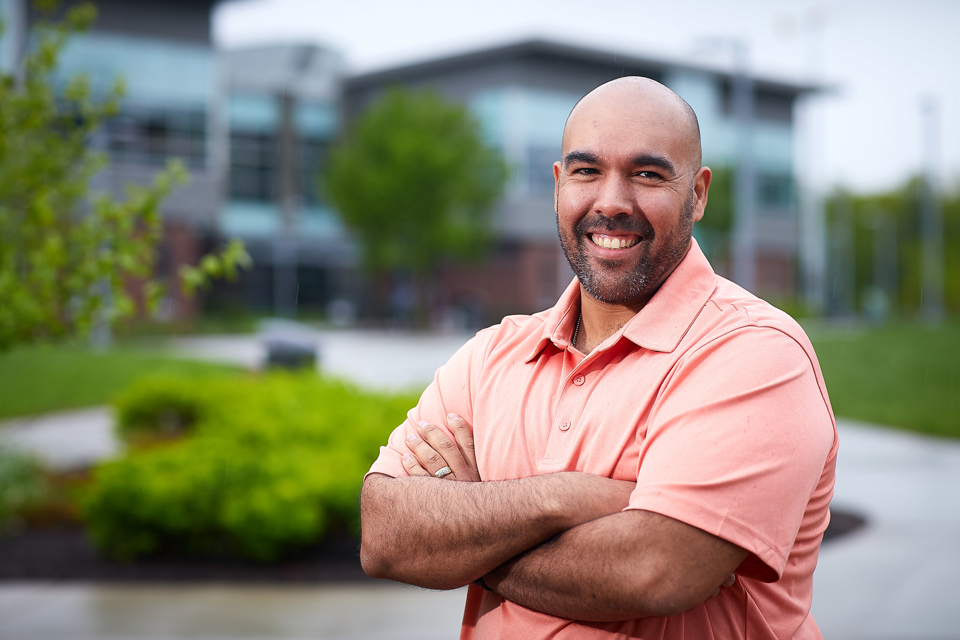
(897,577)
(215,612)
(893,579)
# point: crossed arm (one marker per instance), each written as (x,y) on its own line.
(557,543)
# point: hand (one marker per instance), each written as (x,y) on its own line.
(432,450)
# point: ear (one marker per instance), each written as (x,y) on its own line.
(701,186)
(556,186)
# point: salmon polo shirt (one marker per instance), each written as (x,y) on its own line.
(709,398)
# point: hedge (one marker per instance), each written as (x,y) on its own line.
(22,484)
(261,465)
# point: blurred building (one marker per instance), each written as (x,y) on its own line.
(253,127)
(522,93)
(282,111)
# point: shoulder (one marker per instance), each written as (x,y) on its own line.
(734,316)
(512,340)
(742,342)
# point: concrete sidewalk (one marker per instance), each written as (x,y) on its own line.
(222,612)
(894,579)
(391,361)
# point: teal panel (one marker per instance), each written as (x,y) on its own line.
(249,220)
(155,71)
(544,115)
(316,119)
(253,112)
(488,108)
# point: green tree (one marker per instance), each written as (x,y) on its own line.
(68,257)
(416,184)
(882,230)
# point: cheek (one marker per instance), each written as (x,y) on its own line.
(661,209)
(574,200)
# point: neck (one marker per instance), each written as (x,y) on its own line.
(599,320)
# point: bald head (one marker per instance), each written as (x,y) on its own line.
(651,104)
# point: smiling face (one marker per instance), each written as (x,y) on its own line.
(628,189)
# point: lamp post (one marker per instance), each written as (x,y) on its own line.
(931,217)
(744,239)
(744,224)
(812,247)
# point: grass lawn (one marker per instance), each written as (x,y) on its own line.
(903,375)
(38,379)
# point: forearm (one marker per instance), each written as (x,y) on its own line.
(628,565)
(442,535)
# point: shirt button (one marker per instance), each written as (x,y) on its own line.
(579,380)
(564,425)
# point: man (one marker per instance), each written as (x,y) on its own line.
(609,463)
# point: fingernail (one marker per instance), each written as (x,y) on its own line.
(407,457)
(411,437)
(422,424)
(453,416)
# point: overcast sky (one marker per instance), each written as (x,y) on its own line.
(883,56)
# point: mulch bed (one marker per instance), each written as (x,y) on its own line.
(64,553)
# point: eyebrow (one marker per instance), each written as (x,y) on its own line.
(653,160)
(580,156)
(643,159)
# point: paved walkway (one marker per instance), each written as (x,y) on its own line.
(373,359)
(895,579)
(221,612)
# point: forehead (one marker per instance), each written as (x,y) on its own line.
(616,123)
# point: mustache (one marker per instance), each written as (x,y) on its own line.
(626,224)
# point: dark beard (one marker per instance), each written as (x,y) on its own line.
(656,261)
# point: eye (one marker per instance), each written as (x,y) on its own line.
(585,171)
(650,175)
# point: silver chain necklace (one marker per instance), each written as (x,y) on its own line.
(576,330)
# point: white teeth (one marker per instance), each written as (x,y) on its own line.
(612,243)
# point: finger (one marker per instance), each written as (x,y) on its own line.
(426,455)
(730,580)
(443,445)
(412,466)
(464,437)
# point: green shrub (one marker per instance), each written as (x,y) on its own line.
(160,407)
(22,484)
(269,464)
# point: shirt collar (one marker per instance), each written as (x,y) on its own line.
(661,323)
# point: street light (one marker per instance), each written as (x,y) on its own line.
(931,216)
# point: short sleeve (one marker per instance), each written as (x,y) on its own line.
(451,391)
(737,442)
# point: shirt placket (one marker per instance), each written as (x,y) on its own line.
(566,429)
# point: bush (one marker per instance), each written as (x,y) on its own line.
(22,485)
(159,407)
(268,465)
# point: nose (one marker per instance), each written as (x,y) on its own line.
(613,197)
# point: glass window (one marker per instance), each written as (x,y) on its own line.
(252,166)
(313,155)
(775,192)
(540,161)
(152,135)
(154,71)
